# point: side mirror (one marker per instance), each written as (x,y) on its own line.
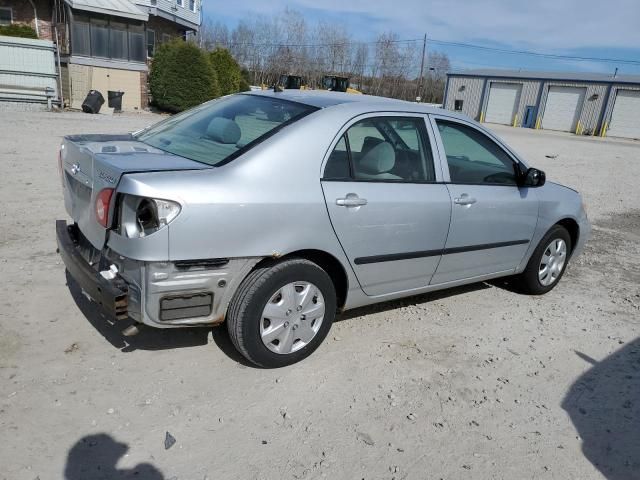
(533,178)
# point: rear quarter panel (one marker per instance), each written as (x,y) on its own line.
(267,203)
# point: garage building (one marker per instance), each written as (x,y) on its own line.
(581,103)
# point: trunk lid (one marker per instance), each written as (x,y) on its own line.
(91,163)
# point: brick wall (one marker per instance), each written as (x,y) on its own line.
(144,90)
(22,12)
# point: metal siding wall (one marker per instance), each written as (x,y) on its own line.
(470,96)
(535,92)
(27,63)
(590,109)
(528,97)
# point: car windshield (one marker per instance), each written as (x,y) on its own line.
(217,132)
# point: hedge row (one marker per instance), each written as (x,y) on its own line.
(183,75)
(18,30)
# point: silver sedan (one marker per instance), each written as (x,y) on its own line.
(274,210)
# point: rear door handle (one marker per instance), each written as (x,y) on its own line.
(464,199)
(351,200)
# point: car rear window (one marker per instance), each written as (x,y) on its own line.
(216,132)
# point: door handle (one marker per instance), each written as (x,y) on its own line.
(464,199)
(351,200)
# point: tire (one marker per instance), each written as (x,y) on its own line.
(283,286)
(532,280)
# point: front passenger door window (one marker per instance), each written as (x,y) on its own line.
(473,158)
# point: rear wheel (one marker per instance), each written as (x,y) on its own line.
(281,313)
(548,262)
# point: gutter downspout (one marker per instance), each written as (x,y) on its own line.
(35,14)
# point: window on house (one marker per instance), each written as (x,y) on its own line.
(151,42)
(180,3)
(80,39)
(6,16)
(458,105)
(118,45)
(137,46)
(166,38)
(99,38)
(192,5)
(154,2)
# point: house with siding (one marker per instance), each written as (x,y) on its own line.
(581,103)
(105,45)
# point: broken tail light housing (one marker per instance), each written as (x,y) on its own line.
(142,216)
(102,206)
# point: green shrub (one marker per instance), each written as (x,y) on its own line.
(245,83)
(181,76)
(18,30)
(228,72)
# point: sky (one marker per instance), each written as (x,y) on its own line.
(585,28)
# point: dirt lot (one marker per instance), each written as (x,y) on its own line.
(474,383)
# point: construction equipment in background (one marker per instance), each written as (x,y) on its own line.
(336,83)
(292,82)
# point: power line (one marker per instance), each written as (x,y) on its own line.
(536,54)
(443,43)
(314,45)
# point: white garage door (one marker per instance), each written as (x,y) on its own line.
(563,108)
(625,119)
(503,102)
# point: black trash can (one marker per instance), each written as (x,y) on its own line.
(115,100)
(93,102)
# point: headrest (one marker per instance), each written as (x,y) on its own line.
(224,130)
(380,159)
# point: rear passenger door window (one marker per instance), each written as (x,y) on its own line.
(473,158)
(383,149)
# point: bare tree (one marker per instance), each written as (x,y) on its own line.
(269,46)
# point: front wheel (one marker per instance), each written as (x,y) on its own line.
(548,262)
(282,313)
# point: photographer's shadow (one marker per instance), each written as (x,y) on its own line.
(96,457)
(604,406)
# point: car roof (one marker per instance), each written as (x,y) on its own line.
(325,99)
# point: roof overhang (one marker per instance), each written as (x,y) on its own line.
(116,8)
(174,18)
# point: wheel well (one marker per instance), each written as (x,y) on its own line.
(328,263)
(572,227)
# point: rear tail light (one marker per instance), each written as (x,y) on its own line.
(102,206)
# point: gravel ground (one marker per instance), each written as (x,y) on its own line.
(473,383)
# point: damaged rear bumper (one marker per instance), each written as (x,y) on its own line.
(112,294)
(159,294)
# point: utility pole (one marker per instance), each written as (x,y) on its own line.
(424,50)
